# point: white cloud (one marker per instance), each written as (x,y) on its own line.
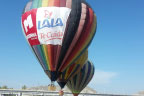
(102,77)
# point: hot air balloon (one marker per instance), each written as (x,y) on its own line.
(72,70)
(78,82)
(58,31)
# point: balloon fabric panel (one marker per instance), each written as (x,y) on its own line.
(62,3)
(84,40)
(72,26)
(38,53)
(89,79)
(81,79)
(45,3)
(68,3)
(35,4)
(78,33)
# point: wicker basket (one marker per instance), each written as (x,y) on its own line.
(51,88)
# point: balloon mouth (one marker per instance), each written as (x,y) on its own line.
(53,75)
(61,84)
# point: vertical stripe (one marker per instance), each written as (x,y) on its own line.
(88,73)
(40,3)
(37,53)
(45,3)
(35,4)
(50,49)
(66,74)
(46,56)
(69,3)
(51,3)
(84,70)
(62,3)
(57,3)
(78,82)
(42,55)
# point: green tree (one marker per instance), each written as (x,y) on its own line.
(24,87)
(4,87)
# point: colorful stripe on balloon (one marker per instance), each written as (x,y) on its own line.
(81,79)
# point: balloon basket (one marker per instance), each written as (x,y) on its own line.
(52,87)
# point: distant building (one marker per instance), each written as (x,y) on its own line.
(141,93)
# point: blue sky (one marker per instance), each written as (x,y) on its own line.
(117,49)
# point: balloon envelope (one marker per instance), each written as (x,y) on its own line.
(78,82)
(72,70)
(58,31)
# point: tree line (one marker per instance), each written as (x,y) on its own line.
(24,87)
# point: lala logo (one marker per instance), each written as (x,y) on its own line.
(49,21)
(47,14)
